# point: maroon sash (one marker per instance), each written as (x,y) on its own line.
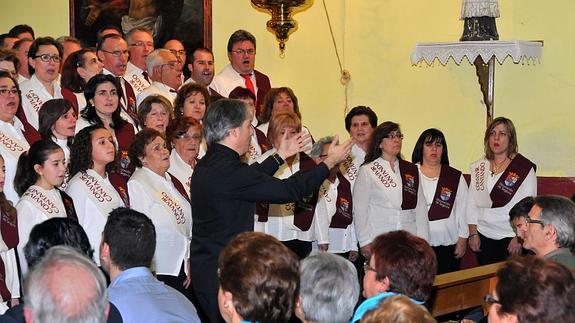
(510,181)
(262,140)
(121,185)
(305,207)
(180,187)
(264,86)
(130,100)
(445,193)
(410,184)
(343,204)
(70,96)
(30,133)
(9,229)
(125,136)
(69,206)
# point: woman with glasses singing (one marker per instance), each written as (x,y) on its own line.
(184,134)
(498,181)
(77,70)
(445,192)
(387,194)
(44,59)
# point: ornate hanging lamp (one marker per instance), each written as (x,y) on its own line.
(282,23)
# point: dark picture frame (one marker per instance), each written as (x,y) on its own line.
(189,21)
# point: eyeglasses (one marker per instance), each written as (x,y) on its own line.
(490,300)
(6,92)
(172,64)
(367,267)
(393,135)
(250,51)
(187,136)
(142,43)
(117,53)
(530,220)
(178,52)
(47,57)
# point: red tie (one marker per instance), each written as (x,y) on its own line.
(249,84)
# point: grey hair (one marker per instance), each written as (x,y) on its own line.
(329,288)
(222,116)
(44,297)
(317,147)
(155,58)
(559,212)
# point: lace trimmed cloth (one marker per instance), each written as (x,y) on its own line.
(479,8)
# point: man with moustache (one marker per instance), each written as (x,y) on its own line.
(140,44)
(165,73)
(240,71)
(113,53)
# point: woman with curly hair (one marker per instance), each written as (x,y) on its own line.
(159,195)
(77,70)
(40,172)
(94,187)
(103,109)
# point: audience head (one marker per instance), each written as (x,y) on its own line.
(550,224)
(277,100)
(164,67)
(259,279)
(328,289)
(398,309)
(22,31)
(9,62)
(201,66)
(128,240)
(518,214)
(45,58)
(141,44)
(532,289)
(65,286)
(155,112)
(242,51)
(55,232)
(43,164)
(10,97)
(191,101)
(283,124)
(224,117)
(57,119)
(385,142)
(500,137)
(93,148)
(113,53)
(79,68)
(185,134)
(400,263)
(431,147)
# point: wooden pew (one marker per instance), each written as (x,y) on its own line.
(464,289)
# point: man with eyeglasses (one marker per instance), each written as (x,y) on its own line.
(177,48)
(240,71)
(551,229)
(113,53)
(165,73)
(140,45)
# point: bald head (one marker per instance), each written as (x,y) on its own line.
(65,286)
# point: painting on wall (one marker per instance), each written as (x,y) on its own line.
(189,21)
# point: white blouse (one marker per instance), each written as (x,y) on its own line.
(12,145)
(181,170)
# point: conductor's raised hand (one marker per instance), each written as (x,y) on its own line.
(290,146)
(337,153)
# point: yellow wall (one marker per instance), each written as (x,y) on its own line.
(376,38)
